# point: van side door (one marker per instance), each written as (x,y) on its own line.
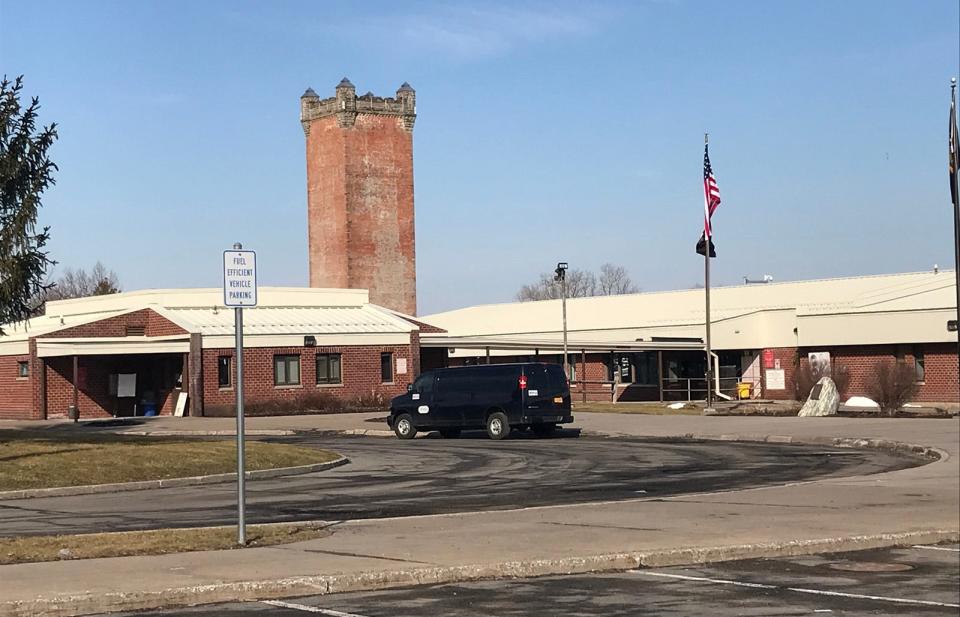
(494,387)
(451,397)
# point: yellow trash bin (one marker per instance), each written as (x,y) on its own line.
(743,390)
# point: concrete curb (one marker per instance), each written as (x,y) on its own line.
(87,604)
(220,478)
(367,432)
(889,445)
(267,432)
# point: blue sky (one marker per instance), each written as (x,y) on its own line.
(546,131)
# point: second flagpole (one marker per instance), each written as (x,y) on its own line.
(706,285)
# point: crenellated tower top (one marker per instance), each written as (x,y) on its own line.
(345,105)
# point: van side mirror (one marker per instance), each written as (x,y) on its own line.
(409,387)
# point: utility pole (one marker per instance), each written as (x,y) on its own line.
(561,275)
(954,167)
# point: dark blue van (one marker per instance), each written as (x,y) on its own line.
(495,397)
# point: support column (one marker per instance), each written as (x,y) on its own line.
(660,374)
(42,376)
(76,377)
(583,373)
(195,388)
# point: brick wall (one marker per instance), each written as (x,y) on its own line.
(942,382)
(788,363)
(940,360)
(360,372)
(16,393)
(152,322)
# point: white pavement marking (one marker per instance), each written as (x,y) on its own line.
(937,548)
(308,609)
(703,579)
(797,589)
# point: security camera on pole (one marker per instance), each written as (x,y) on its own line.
(240,290)
(561,275)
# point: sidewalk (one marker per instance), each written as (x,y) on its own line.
(909,506)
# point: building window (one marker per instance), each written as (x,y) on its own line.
(920,364)
(224,372)
(328,369)
(386,367)
(23,370)
(286,370)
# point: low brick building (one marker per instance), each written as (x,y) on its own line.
(764,335)
(141,353)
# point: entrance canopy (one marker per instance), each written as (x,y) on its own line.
(98,346)
(518,345)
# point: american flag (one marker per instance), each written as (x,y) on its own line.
(711,193)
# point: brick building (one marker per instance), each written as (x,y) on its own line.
(138,353)
(360,219)
(763,334)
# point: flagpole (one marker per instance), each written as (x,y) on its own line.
(955,180)
(706,286)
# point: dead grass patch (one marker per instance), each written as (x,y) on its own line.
(26,549)
(46,459)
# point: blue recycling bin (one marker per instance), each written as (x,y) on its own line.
(149,409)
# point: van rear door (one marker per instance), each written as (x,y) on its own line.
(548,393)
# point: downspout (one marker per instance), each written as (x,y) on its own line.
(716,378)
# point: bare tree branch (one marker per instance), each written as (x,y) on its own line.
(80,284)
(615,280)
(580,284)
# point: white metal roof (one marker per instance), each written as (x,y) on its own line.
(280,311)
(292,320)
(911,307)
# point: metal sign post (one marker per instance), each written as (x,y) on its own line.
(240,290)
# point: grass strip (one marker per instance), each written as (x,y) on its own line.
(47,459)
(27,549)
(655,409)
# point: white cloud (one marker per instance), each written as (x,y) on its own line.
(482,31)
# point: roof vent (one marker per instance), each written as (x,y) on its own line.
(136,330)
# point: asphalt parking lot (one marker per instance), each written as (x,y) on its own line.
(898,581)
(391,478)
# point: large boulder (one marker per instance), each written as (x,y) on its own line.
(824,400)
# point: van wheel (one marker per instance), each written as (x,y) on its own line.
(403,426)
(449,433)
(497,425)
(544,430)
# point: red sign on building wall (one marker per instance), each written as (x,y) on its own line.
(768,359)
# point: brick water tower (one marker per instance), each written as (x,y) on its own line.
(360,222)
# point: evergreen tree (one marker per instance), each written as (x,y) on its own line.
(26,171)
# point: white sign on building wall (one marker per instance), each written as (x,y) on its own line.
(776,379)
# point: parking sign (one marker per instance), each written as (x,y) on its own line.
(239,278)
